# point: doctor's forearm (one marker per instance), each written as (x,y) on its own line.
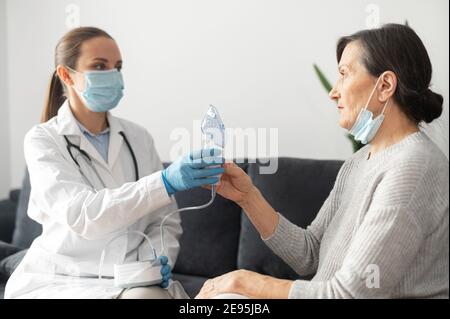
(260,212)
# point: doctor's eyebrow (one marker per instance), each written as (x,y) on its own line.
(105,60)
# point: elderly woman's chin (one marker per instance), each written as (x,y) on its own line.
(344,122)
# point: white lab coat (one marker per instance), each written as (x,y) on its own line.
(78,220)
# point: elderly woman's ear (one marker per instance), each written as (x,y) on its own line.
(388,85)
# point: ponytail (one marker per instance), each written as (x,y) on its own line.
(55,98)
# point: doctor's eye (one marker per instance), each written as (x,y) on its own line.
(99,66)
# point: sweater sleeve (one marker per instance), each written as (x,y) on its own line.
(299,247)
(383,245)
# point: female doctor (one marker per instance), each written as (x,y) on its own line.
(97,183)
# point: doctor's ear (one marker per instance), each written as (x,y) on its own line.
(388,85)
(64,75)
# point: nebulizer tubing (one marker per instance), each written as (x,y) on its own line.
(102,257)
(211,120)
(161,227)
(212,112)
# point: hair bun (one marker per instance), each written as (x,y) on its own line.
(431,105)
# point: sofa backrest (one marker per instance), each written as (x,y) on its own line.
(297,191)
(220,238)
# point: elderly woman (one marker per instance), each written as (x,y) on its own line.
(383,230)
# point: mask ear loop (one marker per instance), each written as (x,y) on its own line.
(75,71)
(385,106)
(365,106)
(71,69)
(371,94)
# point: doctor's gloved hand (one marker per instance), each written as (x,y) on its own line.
(193,170)
(166,271)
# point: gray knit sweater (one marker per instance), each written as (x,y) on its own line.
(381,233)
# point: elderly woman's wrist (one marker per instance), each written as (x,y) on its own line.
(281,290)
(260,212)
(250,198)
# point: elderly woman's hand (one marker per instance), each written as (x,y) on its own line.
(228,283)
(246,283)
(235,184)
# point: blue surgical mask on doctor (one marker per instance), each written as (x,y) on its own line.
(366,127)
(103,90)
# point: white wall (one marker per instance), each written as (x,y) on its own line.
(252,58)
(4,116)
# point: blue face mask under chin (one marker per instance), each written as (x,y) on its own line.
(103,90)
(366,127)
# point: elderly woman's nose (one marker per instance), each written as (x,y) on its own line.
(334,95)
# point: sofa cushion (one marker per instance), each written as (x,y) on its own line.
(191,284)
(297,191)
(26,229)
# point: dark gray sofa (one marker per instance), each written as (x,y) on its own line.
(216,240)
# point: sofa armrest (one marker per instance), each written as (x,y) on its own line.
(7,219)
(7,250)
(14,195)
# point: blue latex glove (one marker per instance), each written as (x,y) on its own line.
(193,170)
(166,271)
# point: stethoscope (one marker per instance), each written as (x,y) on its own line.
(89,160)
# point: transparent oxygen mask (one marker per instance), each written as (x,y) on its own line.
(213,129)
(213,132)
